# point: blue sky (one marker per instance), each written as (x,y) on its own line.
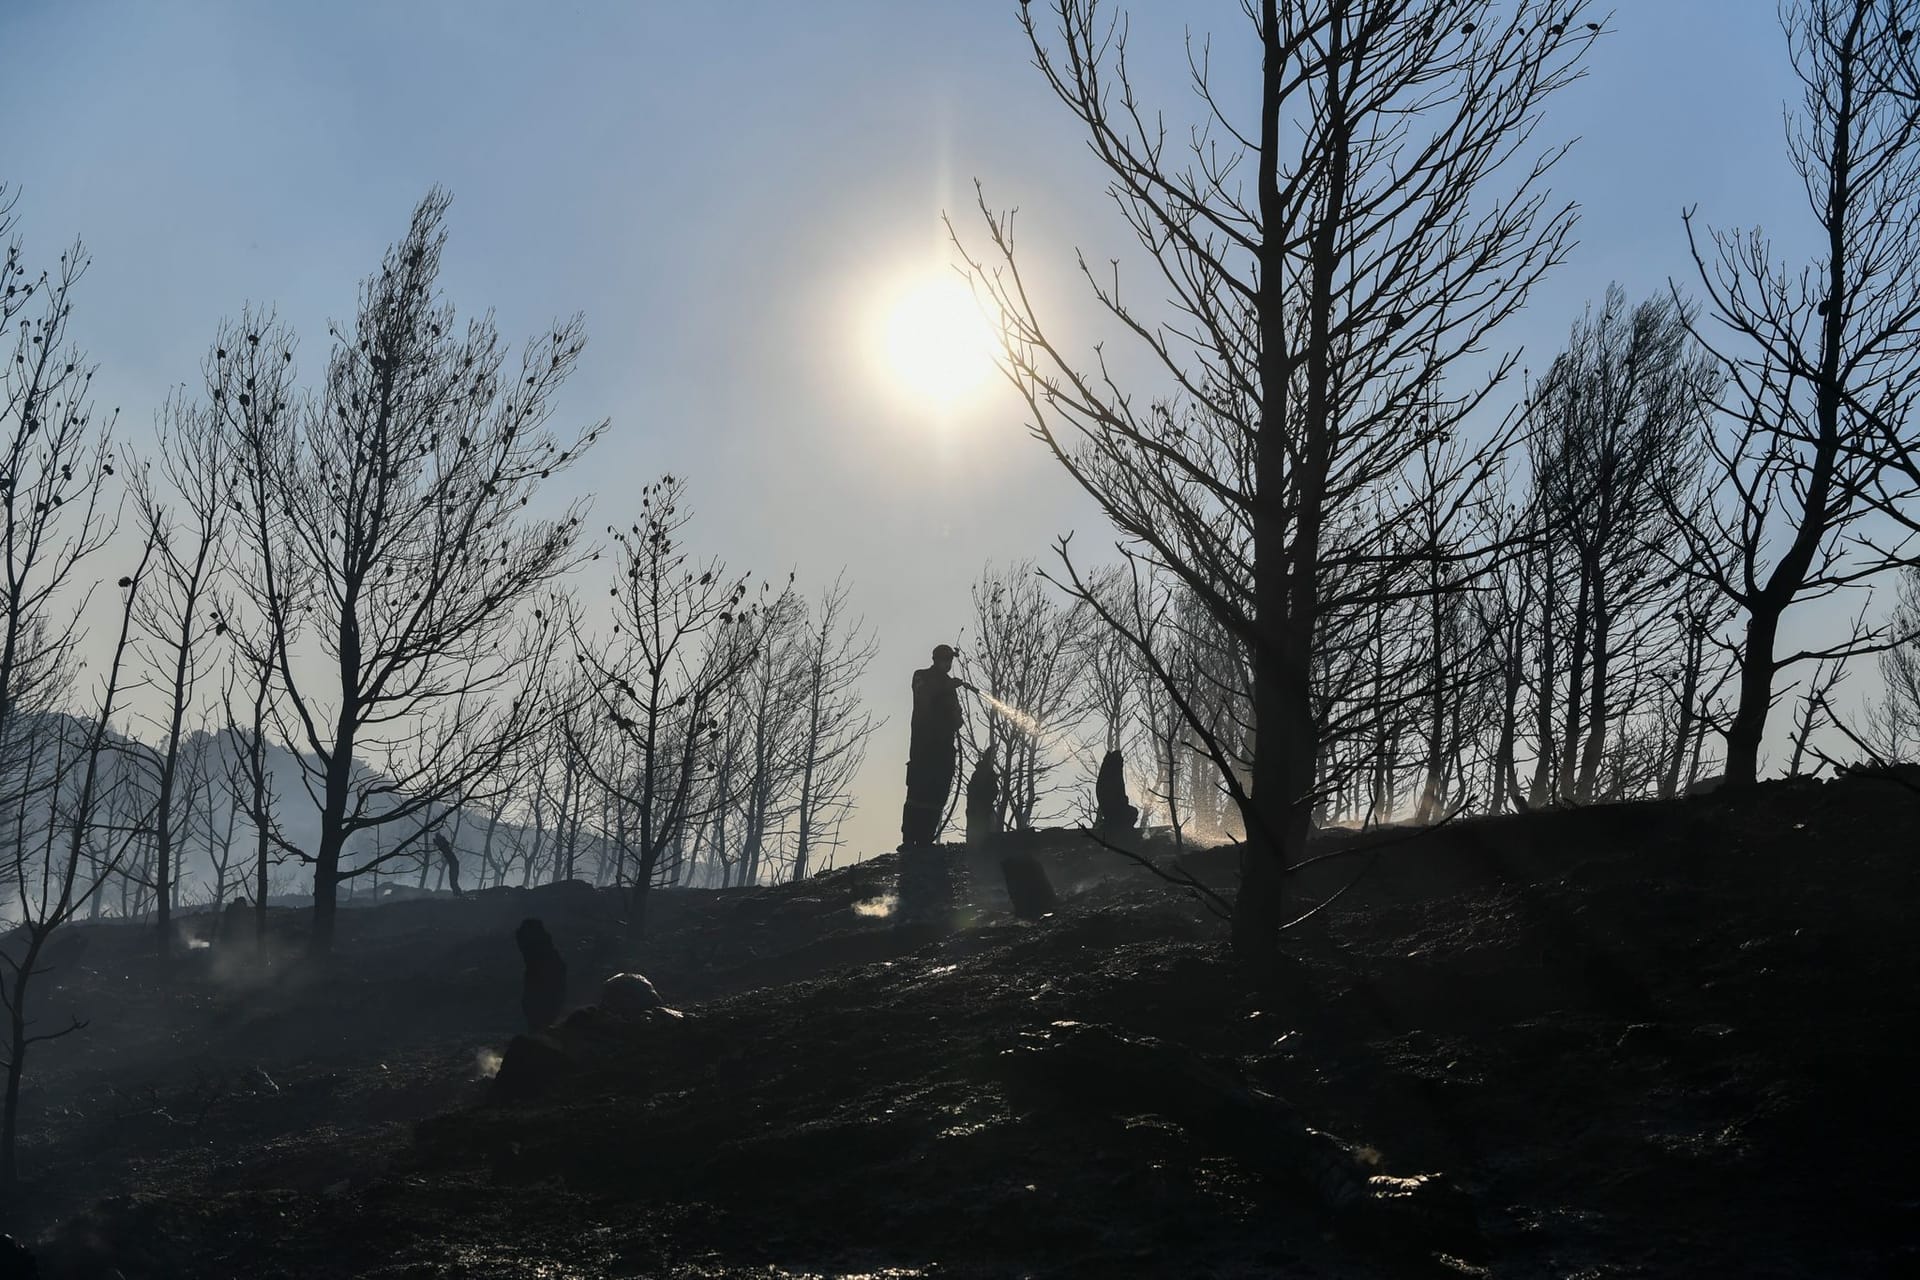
(725,190)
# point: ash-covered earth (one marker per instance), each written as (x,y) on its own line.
(1644,1040)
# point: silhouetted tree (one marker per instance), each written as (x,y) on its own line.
(1616,429)
(1445,521)
(544,779)
(1814,708)
(659,679)
(1816,431)
(835,652)
(574,741)
(389,532)
(185,511)
(1025,654)
(1892,728)
(1330,257)
(1108,671)
(1693,681)
(715,839)
(216,815)
(249,780)
(66,771)
(766,704)
(54,461)
(55,501)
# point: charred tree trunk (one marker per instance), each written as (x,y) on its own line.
(1258,909)
(1597,696)
(1749,721)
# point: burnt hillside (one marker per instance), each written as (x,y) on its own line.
(1653,1039)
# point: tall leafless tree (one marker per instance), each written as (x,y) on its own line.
(1816,432)
(1024,653)
(1330,253)
(249,775)
(394,562)
(68,771)
(1106,661)
(766,705)
(185,510)
(659,678)
(56,513)
(54,458)
(835,652)
(1892,730)
(1616,428)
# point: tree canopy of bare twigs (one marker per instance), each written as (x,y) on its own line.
(1893,724)
(1328,253)
(1815,436)
(1616,428)
(61,780)
(65,854)
(1025,651)
(53,498)
(682,634)
(185,511)
(835,652)
(393,561)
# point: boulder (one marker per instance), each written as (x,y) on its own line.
(629,993)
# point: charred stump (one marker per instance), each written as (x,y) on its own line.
(1117,813)
(544,990)
(1028,888)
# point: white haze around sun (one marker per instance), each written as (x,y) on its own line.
(934,343)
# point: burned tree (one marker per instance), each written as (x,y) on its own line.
(1330,256)
(390,541)
(1107,664)
(1434,692)
(185,511)
(574,738)
(835,653)
(1615,431)
(674,652)
(214,817)
(56,778)
(1892,731)
(497,851)
(761,716)
(1025,657)
(249,779)
(64,773)
(52,477)
(1815,432)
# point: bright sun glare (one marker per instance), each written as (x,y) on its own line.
(936,344)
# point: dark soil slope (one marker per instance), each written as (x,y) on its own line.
(1647,1040)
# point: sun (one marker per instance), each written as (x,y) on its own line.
(935,343)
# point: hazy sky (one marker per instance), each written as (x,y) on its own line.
(731,193)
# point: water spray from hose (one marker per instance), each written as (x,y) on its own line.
(1021,720)
(1013,715)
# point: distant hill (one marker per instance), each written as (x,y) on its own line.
(208,760)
